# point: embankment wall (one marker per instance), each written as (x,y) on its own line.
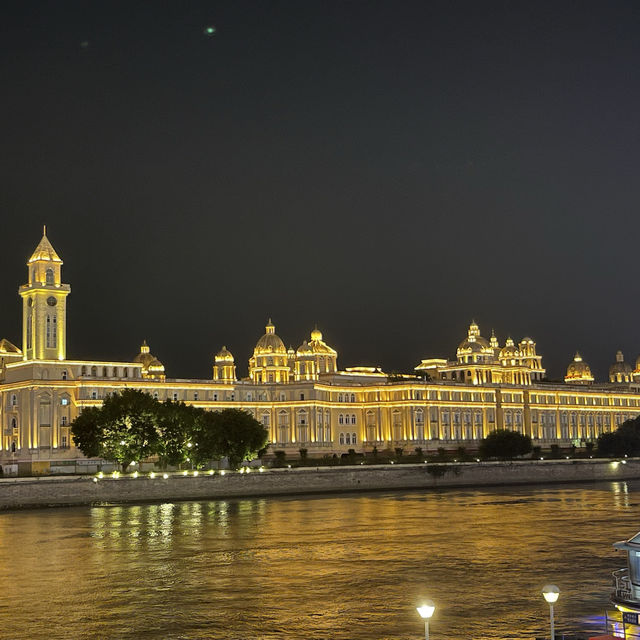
(75,490)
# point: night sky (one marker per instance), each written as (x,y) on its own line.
(387,170)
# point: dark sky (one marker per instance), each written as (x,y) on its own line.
(389,170)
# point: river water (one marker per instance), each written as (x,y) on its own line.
(350,567)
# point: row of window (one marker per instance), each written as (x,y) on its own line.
(13,400)
(348,438)
(344,419)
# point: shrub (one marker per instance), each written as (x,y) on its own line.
(281,458)
(505,444)
(399,451)
(303,455)
(419,453)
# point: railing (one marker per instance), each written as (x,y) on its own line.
(616,625)
(621,585)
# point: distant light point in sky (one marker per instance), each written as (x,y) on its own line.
(210,30)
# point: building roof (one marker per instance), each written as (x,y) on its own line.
(8,347)
(270,342)
(45,251)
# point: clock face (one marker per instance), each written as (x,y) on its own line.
(51,301)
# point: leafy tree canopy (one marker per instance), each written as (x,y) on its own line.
(240,435)
(132,425)
(505,444)
(625,440)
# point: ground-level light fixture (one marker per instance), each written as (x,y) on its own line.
(551,594)
(426,610)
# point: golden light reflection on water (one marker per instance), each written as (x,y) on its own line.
(350,566)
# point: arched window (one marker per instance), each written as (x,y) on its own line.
(14,400)
(347,438)
(125,372)
(13,447)
(342,438)
(48,343)
(340,419)
(353,418)
(14,423)
(64,374)
(94,395)
(353,397)
(195,395)
(83,371)
(94,371)
(353,438)
(49,276)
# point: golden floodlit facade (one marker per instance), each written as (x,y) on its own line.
(301,395)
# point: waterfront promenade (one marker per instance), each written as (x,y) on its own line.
(189,485)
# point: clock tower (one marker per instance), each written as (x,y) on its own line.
(44,305)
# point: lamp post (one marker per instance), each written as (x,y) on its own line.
(426,611)
(551,594)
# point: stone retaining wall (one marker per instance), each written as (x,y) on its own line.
(74,490)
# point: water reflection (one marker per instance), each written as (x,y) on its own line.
(333,566)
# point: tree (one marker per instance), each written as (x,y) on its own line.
(177,423)
(124,429)
(505,444)
(625,440)
(241,435)
(207,439)
(85,432)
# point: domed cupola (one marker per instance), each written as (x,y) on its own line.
(270,342)
(620,371)
(315,357)
(474,348)
(152,368)
(271,360)
(578,372)
(224,368)
(510,354)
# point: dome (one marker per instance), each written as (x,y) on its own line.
(578,370)
(304,349)
(224,355)
(474,342)
(509,350)
(270,341)
(150,364)
(475,346)
(620,366)
(318,346)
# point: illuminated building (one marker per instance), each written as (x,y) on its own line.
(301,395)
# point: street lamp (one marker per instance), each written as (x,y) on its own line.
(551,594)
(426,611)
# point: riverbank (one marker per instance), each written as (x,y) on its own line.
(18,493)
